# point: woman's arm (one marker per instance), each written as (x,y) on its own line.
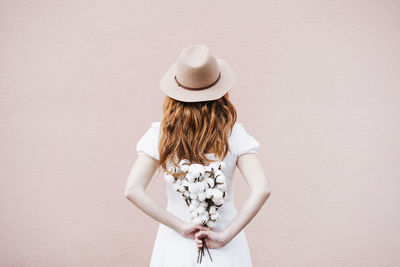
(139,177)
(251,168)
(252,171)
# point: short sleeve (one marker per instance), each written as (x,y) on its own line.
(148,143)
(245,143)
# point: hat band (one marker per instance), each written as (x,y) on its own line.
(198,88)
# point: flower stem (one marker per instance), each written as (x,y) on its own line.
(201,253)
(198,256)
(208,250)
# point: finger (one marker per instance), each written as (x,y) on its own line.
(199,244)
(202,227)
(198,234)
(201,234)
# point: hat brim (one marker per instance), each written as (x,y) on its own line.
(225,83)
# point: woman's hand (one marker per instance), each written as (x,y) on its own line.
(213,239)
(189,229)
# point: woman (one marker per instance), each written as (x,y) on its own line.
(198,124)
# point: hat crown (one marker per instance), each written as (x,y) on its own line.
(196,67)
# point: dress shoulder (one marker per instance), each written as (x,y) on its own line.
(148,143)
(242,141)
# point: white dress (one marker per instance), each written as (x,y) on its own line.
(172,249)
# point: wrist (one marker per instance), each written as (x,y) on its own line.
(177,226)
(227,235)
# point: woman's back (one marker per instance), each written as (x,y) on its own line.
(169,246)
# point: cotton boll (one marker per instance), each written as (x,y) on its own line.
(202,196)
(193,187)
(200,178)
(186,193)
(169,178)
(217,194)
(173,169)
(198,187)
(211,224)
(202,186)
(220,179)
(196,169)
(185,182)
(215,216)
(197,221)
(209,192)
(204,204)
(205,213)
(210,182)
(218,173)
(212,210)
(218,201)
(189,177)
(193,195)
(202,170)
(184,162)
(205,184)
(185,168)
(196,202)
(193,170)
(194,214)
(192,207)
(221,187)
(200,209)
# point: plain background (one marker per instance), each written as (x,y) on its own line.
(318,86)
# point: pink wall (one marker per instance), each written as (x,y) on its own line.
(318,85)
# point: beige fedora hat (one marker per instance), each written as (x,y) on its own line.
(197,76)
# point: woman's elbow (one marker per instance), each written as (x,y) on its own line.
(131,193)
(268,192)
(264,191)
(127,193)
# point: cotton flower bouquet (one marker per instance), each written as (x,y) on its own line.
(202,187)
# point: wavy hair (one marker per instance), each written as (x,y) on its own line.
(189,130)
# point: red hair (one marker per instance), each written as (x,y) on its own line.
(189,130)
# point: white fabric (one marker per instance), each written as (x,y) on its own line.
(173,250)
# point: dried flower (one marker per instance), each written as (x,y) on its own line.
(203,189)
(169,178)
